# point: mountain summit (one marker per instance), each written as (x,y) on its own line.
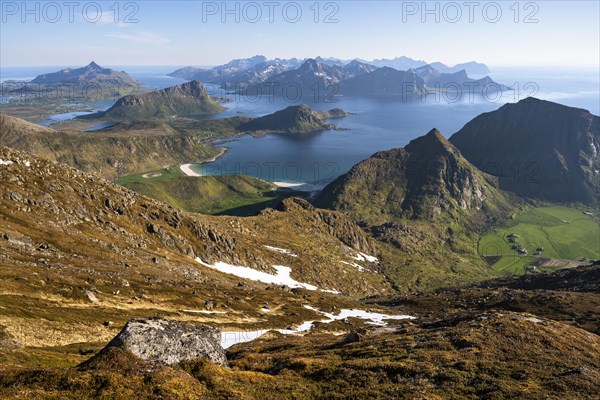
(189,98)
(426,179)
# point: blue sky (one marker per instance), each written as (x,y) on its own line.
(557,33)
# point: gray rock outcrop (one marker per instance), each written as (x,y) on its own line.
(169,342)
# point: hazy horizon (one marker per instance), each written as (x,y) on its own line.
(212,33)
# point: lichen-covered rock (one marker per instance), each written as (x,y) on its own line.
(169,342)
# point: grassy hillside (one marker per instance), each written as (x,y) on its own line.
(426,203)
(468,356)
(231,195)
(115,152)
(560,233)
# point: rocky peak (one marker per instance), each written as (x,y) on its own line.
(192,88)
(427,178)
(93,65)
(431,145)
(310,65)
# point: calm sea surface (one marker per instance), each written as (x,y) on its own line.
(379,123)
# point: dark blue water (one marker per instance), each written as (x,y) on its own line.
(380,123)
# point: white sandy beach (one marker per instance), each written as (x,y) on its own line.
(187,169)
(301,186)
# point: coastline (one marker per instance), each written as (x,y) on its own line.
(187,168)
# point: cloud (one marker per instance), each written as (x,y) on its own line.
(140,37)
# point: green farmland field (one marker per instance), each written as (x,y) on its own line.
(564,233)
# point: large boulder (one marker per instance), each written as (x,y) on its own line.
(169,342)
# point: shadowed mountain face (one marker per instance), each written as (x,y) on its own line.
(538,149)
(189,98)
(427,178)
(91,73)
(384,81)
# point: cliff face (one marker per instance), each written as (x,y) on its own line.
(538,149)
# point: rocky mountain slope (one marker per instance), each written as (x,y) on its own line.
(426,179)
(83,220)
(538,149)
(111,153)
(188,98)
(426,203)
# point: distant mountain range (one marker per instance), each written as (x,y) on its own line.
(248,70)
(384,81)
(357,78)
(90,74)
(242,73)
(433,78)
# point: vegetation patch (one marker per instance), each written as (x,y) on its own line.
(544,238)
(240,195)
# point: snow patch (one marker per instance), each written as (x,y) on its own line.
(365,257)
(228,339)
(7,162)
(282,277)
(355,265)
(282,251)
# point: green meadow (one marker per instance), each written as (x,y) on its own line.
(240,195)
(564,233)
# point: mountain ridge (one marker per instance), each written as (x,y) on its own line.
(190,98)
(538,149)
